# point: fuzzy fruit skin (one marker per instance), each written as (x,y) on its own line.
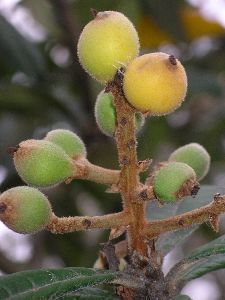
(41,163)
(105,114)
(27,209)
(170,179)
(106,44)
(195,156)
(155,84)
(68,141)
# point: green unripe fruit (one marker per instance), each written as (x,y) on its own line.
(68,141)
(24,209)
(105,114)
(174,181)
(106,44)
(195,156)
(41,163)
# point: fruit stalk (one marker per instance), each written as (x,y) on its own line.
(86,170)
(129,179)
(72,224)
(208,213)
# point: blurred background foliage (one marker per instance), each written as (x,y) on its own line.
(43,87)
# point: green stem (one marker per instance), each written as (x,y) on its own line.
(83,169)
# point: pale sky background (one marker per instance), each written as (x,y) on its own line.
(17,246)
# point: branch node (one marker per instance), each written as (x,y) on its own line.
(131,144)
(218,198)
(123,121)
(86,223)
(144,165)
(214,222)
(124,161)
(195,190)
(116,232)
(181,222)
(108,87)
(143,195)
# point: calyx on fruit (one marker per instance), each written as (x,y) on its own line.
(173,181)
(155,83)
(105,114)
(70,142)
(194,155)
(41,163)
(24,209)
(106,44)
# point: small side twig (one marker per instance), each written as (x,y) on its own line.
(121,249)
(71,224)
(208,213)
(109,251)
(83,169)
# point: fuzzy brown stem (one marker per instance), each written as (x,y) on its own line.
(146,193)
(83,169)
(208,213)
(121,249)
(71,224)
(129,178)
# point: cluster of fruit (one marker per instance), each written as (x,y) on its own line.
(40,163)
(153,83)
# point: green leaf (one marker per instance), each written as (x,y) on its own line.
(201,267)
(19,53)
(43,12)
(182,297)
(204,197)
(203,260)
(91,294)
(187,270)
(157,212)
(167,241)
(55,283)
(170,22)
(18,99)
(217,246)
(203,81)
